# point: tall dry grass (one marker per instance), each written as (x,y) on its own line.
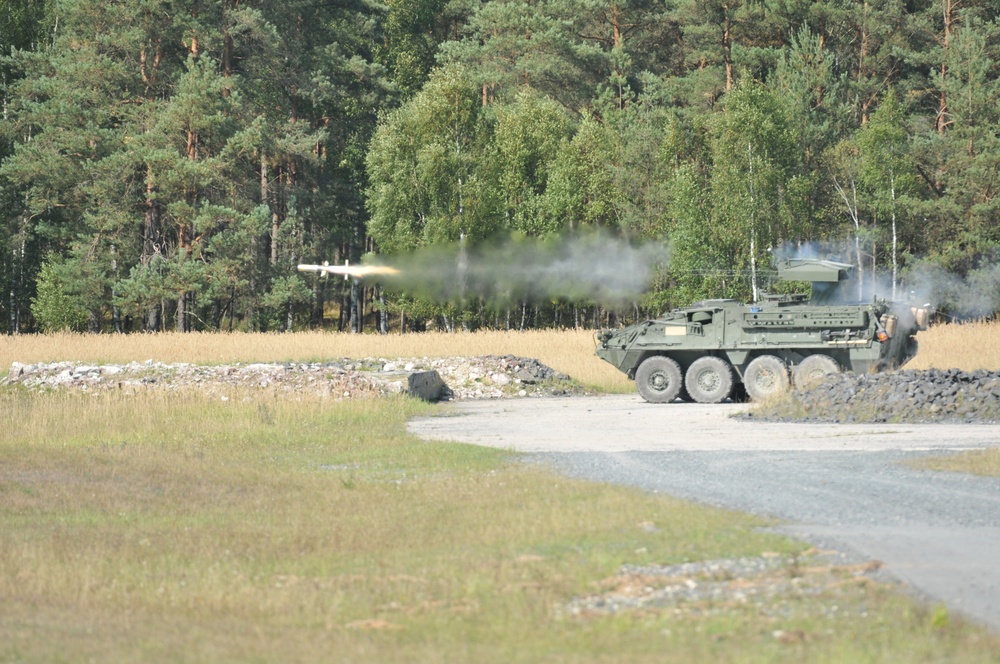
(966,346)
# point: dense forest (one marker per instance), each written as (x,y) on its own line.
(166,165)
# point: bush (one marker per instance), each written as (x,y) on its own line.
(55,308)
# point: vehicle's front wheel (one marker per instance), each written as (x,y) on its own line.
(765,377)
(709,379)
(659,379)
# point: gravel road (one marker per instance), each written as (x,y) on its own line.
(837,485)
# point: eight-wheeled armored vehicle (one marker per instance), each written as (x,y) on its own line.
(717,349)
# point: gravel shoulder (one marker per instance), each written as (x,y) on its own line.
(837,485)
(627,423)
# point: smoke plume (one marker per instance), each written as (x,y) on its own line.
(594,267)
(922,282)
(976,295)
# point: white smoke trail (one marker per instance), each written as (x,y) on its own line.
(592,267)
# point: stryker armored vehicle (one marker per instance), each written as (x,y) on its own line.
(717,349)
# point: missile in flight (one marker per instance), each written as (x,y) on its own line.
(348,270)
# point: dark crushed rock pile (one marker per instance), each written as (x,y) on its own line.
(933,395)
(481,377)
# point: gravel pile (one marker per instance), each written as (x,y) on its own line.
(769,583)
(913,396)
(482,377)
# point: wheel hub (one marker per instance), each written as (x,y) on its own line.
(708,381)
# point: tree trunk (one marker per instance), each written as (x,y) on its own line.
(275,223)
(727,50)
(181,325)
(862,60)
(948,9)
(152,244)
(383,317)
(753,229)
(895,263)
(116,312)
(357,308)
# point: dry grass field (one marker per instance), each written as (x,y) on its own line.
(172,527)
(969,346)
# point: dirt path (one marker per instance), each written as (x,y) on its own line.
(845,486)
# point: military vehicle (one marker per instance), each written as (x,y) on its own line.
(720,349)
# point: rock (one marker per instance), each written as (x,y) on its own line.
(426,385)
(525,377)
(933,395)
(479,377)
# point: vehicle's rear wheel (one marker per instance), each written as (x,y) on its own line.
(814,369)
(709,379)
(659,379)
(765,377)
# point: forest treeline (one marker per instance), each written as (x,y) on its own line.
(166,165)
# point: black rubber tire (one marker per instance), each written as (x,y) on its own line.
(709,379)
(766,377)
(814,369)
(659,379)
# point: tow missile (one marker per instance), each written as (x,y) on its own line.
(348,270)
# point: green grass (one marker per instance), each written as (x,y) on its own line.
(174,527)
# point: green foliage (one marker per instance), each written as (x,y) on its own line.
(185,157)
(519,161)
(57,307)
(422,165)
(755,158)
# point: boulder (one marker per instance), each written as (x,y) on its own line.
(426,385)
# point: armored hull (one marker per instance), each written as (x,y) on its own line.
(720,349)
